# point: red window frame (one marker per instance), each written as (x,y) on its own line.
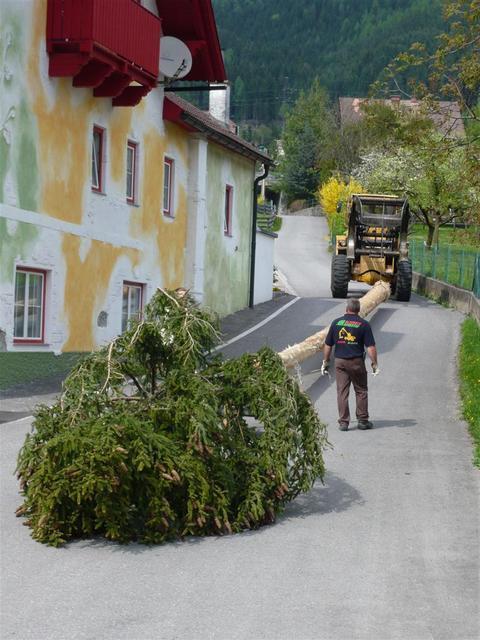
(41,339)
(134,146)
(101,132)
(170,162)
(137,285)
(227,219)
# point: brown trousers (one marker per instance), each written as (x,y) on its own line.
(346,372)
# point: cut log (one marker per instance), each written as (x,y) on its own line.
(291,356)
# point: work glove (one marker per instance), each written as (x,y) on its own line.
(375,370)
(324,368)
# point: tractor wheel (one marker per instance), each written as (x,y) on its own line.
(404,280)
(340,276)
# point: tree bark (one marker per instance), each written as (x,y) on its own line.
(436,231)
(431,231)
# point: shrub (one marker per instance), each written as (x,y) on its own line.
(330,194)
(150,440)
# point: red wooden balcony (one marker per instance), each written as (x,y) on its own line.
(106,45)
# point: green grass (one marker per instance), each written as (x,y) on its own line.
(469,369)
(467,238)
(264,221)
(454,264)
(22,367)
(277,224)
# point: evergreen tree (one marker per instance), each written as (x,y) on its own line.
(277,47)
(307,143)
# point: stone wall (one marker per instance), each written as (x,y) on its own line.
(461,299)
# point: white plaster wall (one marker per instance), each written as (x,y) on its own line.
(107,217)
(197,216)
(109,211)
(45,254)
(263,268)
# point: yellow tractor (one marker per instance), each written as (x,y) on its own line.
(375,246)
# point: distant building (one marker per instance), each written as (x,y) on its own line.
(448,118)
(109,186)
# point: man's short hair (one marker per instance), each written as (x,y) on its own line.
(353,305)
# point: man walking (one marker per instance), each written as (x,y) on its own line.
(350,334)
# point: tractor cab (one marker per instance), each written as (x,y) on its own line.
(375,246)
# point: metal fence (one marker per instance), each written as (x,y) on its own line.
(449,263)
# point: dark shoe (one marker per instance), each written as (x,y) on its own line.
(365,424)
(343,427)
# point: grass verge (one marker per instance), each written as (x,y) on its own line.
(466,238)
(23,367)
(469,369)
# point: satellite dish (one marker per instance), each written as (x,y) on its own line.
(175,57)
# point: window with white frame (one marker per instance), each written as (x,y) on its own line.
(131,171)
(227,219)
(97,158)
(132,303)
(29,306)
(168,182)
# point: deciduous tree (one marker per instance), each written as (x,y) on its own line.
(452,70)
(436,183)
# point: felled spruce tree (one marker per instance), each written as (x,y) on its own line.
(149,440)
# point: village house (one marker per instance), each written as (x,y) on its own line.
(109,186)
(447,116)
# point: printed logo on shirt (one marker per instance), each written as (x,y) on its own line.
(346,336)
(349,323)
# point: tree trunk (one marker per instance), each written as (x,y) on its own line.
(436,232)
(291,356)
(431,230)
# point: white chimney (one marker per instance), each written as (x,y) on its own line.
(219,104)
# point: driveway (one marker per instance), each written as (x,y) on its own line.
(387,549)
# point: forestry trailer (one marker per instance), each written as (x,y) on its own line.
(375,246)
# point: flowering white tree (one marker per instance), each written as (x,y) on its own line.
(437,183)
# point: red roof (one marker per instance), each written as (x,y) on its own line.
(193,22)
(190,117)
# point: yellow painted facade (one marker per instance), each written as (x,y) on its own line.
(61,133)
(86,285)
(64,117)
(92,246)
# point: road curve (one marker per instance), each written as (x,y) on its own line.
(302,255)
(386,550)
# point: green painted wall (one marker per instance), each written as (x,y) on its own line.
(227,260)
(18,155)
(4,163)
(26,167)
(17,129)
(15,239)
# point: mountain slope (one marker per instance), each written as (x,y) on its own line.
(274,48)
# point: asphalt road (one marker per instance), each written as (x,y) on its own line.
(387,549)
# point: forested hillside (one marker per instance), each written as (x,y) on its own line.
(274,48)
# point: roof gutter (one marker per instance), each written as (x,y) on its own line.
(223,140)
(266,168)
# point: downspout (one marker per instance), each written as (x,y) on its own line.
(257,180)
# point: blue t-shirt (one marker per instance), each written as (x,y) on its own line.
(350,334)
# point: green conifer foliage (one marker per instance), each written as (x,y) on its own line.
(150,440)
